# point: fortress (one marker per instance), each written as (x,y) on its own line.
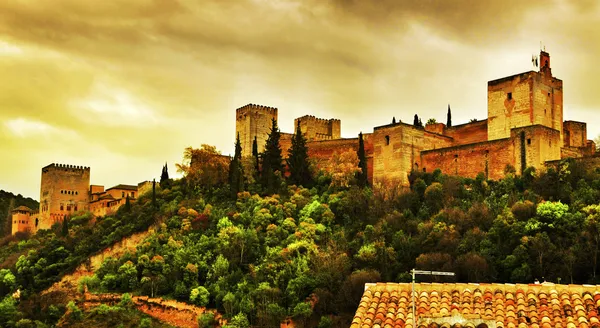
(524,128)
(65,190)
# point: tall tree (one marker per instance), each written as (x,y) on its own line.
(255,153)
(236,171)
(164,177)
(394,120)
(449,122)
(154,192)
(416,120)
(362,177)
(298,160)
(272,161)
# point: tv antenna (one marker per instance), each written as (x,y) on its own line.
(423,272)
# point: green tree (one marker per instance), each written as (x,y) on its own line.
(236,170)
(449,117)
(200,296)
(362,176)
(255,154)
(164,177)
(298,161)
(272,161)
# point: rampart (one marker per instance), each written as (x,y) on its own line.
(315,128)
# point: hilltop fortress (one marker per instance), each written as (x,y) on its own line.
(524,128)
(66,190)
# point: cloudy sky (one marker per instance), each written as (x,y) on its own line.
(124,85)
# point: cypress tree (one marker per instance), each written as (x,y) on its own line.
(255,154)
(127,205)
(154,192)
(394,120)
(65,227)
(164,177)
(236,171)
(362,176)
(416,120)
(298,160)
(449,122)
(272,161)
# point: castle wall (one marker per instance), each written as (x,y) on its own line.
(397,151)
(490,158)
(547,101)
(254,120)
(571,152)
(536,144)
(314,128)
(64,191)
(510,104)
(468,133)
(321,151)
(285,143)
(574,134)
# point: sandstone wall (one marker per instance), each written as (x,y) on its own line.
(547,101)
(469,160)
(468,133)
(510,104)
(571,152)
(537,143)
(397,151)
(64,191)
(285,142)
(574,134)
(315,128)
(254,120)
(21,221)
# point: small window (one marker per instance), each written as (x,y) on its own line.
(61,206)
(424,169)
(122,194)
(548,94)
(455,155)
(75,208)
(509,96)
(387,140)
(68,207)
(529,141)
(132,194)
(77,193)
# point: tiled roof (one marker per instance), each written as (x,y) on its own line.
(479,305)
(123,187)
(22,208)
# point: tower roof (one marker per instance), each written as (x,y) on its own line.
(22,208)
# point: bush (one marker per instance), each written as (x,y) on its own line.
(200,296)
(145,323)
(206,320)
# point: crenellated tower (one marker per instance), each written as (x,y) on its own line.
(64,191)
(254,121)
(314,128)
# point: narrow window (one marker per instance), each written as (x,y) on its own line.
(68,207)
(77,193)
(509,96)
(61,206)
(123,194)
(529,141)
(75,208)
(132,194)
(387,140)
(424,169)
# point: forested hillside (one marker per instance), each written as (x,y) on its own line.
(9,201)
(248,241)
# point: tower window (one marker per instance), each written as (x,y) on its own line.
(509,96)
(61,206)
(387,140)
(529,141)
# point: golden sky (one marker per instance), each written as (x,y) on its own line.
(124,85)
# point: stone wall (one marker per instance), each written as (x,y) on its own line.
(315,128)
(489,158)
(509,104)
(575,134)
(254,120)
(540,144)
(468,133)
(64,191)
(397,151)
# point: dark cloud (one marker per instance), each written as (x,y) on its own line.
(131,83)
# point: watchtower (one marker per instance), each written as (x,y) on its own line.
(64,191)
(526,99)
(314,128)
(21,220)
(254,121)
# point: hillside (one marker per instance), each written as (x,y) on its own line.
(275,252)
(8,201)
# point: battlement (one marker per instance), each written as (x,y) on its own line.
(312,118)
(65,167)
(244,110)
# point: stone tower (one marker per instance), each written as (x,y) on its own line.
(315,128)
(64,191)
(253,121)
(21,219)
(526,99)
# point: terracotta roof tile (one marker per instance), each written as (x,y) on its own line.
(516,306)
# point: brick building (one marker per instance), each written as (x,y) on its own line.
(524,128)
(65,190)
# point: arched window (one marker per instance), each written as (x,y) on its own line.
(387,140)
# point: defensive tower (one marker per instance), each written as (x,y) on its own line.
(314,128)
(253,121)
(64,191)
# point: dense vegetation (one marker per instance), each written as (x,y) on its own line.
(276,250)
